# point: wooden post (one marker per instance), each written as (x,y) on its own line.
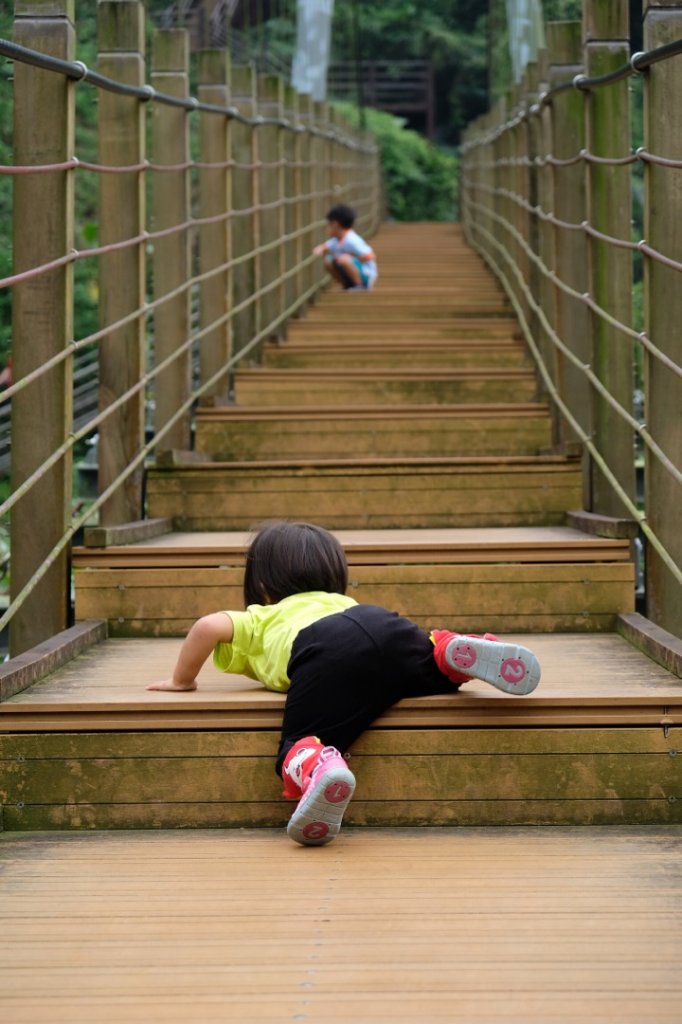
(120,30)
(292,190)
(533,130)
(306,203)
(570,253)
(609,210)
(214,239)
(320,183)
(171,206)
(663,309)
(270,106)
(546,251)
(42,319)
(243,97)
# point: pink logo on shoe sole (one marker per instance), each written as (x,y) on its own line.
(513,671)
(316,830)
(464,656)
(336,792)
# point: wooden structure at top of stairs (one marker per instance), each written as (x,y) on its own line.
(452,507)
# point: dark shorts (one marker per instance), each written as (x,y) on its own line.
(347,280)
(348,668)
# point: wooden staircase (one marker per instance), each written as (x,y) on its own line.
(409,422)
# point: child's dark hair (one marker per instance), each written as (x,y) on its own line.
(293,558)
(343,215)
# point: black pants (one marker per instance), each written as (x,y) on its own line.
(347,669)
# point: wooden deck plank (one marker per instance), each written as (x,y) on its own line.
(460,925)
(522,544)
(368,492)
(578,671)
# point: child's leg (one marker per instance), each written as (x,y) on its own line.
(509,667)
(323,783)
(332,269)
(349,270)
(339,685)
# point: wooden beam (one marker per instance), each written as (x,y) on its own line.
(602,526)
(609,210)
(663,311)
(126,533)
(122,290)
(27,668)
(171,206)
(42,318)
(658,644)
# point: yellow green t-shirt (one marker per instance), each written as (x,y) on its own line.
(264,635)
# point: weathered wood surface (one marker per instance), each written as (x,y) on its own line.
(517,926)
(397,352)
(469,597)
(370,492)
(91,747)
(323,432)
(363,547)
(582,675)
(663,304)
(303,387)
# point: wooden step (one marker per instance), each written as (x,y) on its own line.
(263,386)
(239,433)
(368,493)
(538,580)
(391,328)
(89,747)
(383,352)
(361,308)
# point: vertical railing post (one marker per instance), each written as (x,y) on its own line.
(292,191)
(320,181)
(243,93)
(42,319)
(663,309)
(270,106)
(214,238)
(545,230)
(564,42)
(120,29)
(609,210)
(497,152)
(307,204)
(533,148)
(171,206)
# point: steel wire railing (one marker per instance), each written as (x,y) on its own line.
(276,177)
(544,178)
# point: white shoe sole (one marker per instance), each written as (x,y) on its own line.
(509,667)
(318,816)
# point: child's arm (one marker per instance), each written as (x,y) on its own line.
(321,249)
(196,648)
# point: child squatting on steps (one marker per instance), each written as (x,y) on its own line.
(341,664)
(347,256)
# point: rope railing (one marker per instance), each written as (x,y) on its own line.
(546,201)
(77,71)
(283,169)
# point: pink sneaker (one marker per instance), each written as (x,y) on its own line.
(327,785)
(509,667)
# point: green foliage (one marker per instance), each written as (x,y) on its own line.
(420,179)
(562,10)
(449,33)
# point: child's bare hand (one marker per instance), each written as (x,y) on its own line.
(319,250)
(171,684)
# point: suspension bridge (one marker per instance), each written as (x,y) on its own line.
(496,438)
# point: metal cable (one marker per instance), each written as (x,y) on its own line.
(585,438)
(639,62)
(79,72)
